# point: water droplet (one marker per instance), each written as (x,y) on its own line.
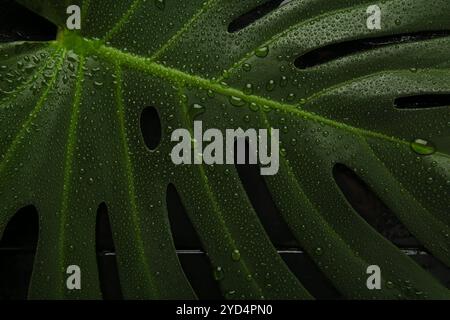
(423,147)
(160,4)
(236,101)
(218,274)
(319,251)
(254,107)
(236,255)
(291,97)
(229,295)
(270,85)
(196,110)
(248,89)
(266,108)
(262,52)
(247,67)
(48,74)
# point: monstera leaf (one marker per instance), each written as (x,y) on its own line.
(337,90)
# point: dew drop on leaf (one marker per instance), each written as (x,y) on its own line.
(230,294)
(262,52)
(236,101)
(291,97)
(196,110)
(236,255)
(423,147)
(270,85)
(218,274)
(254,107)
(247,67)
(319,251)
(248,89)
(160,4)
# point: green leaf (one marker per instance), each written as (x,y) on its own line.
(70,140)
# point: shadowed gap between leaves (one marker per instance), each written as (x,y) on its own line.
(106,259)
(30,26)
(150,124)
(424,101)
(370,207)
(195,263)
(17,251)
(336,51)
(297,260)
(254,15)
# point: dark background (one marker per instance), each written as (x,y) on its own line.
(19,241)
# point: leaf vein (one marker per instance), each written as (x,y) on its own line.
(40,103)
(130,177)
(183,30)
(68,163)
(122,21)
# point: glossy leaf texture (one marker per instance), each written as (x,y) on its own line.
(70,139)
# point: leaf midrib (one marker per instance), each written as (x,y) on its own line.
(148,66)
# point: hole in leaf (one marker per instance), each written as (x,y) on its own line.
(339,50)
(17,23)
(309,275)
(184,235)
(277,229)
(259,195)
(253,15)
(425,101)
(439,270)
(367,204)
(106,258)
(198,271)
(371,208)
(151,127)
(17,250)
(193,260)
